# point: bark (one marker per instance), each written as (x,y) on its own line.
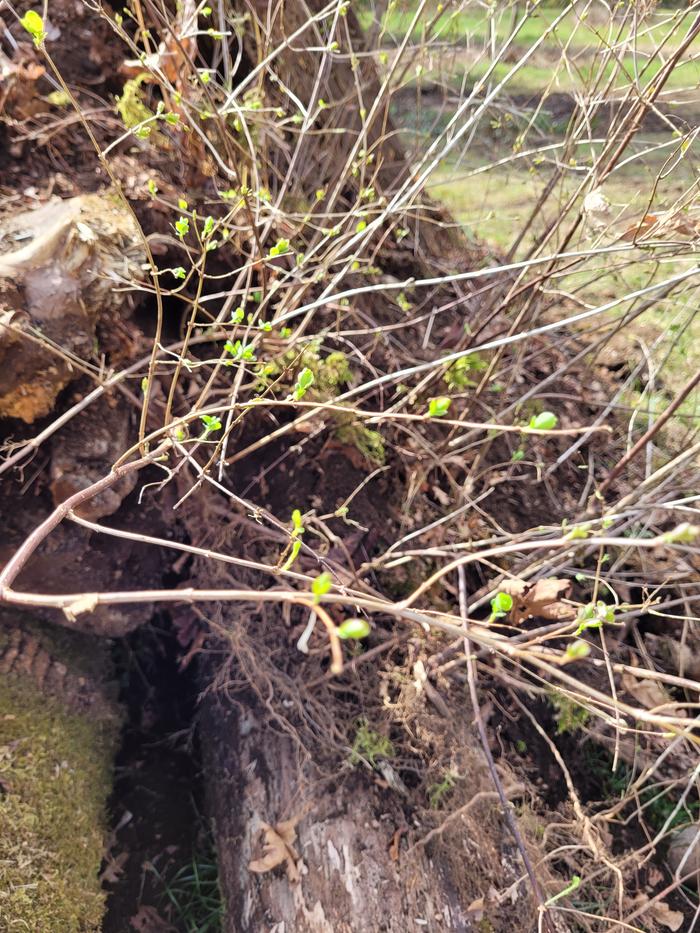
(352,866)
(59,313)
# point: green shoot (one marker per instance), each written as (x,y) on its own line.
(569,889)
(682,534)
(279,249)
(594,616)
(305,380)
(34,25)
(545,421)
(321,585)
(298,528)
(438,407)
(211,423)
(354,629)
(577,650)
(501,604)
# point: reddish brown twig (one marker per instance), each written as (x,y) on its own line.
(12,568)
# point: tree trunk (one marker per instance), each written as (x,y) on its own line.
(326,795)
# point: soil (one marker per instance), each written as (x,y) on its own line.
(157,800)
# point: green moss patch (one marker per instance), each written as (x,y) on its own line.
(55,777)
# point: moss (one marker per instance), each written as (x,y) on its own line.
(330,373)
(438,792)
(130,105)
(370,443)
(571,716)
(370,745)
(55,776)
(459,374)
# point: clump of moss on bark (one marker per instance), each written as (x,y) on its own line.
(55,778)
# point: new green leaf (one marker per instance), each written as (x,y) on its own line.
(34,25)
(321,585)
(501,604)
(438,407)
(353,629)
(211,423)
(545,421)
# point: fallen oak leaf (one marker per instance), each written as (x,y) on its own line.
(648,693)
(542,600)
(278,849)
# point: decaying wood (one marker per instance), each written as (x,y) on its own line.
(59,265)
(345,871)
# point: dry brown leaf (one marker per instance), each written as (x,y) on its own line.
(278,849)
(542,600)
(663,915)
(477,909)
(676,658)
(148,920)
(661,225)
(640,227)
(19,98)
(175,52)
(648,693)
(114,868)
(396,843)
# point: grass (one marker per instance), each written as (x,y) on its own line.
(458,47)
(475,23)
(494,186)
(492,202)
(568,74)
(193,896)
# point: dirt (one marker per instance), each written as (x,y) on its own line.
(156,804)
